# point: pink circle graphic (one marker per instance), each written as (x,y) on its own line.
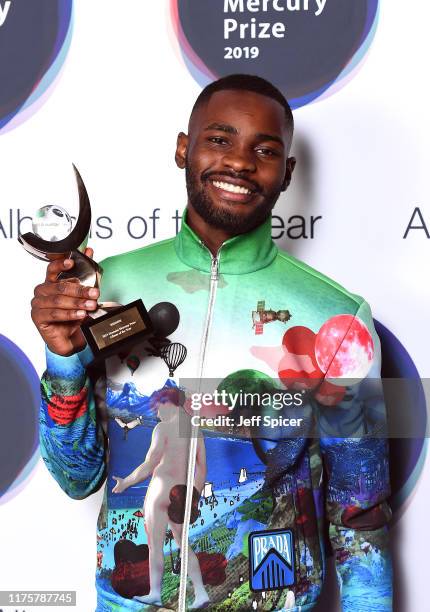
(344,349)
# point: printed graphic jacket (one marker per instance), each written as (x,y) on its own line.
(269,498)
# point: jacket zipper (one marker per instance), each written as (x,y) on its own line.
(182,601)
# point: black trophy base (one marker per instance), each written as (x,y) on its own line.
(120,328)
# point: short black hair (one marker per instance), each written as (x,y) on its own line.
(246,82)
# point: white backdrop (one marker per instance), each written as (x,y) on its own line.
(123,95)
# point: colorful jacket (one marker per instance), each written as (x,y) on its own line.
(264,498)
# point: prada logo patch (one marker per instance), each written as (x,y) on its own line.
(271,559)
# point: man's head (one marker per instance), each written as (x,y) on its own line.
(165,411)
(236,152)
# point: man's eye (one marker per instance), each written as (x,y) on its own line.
(268,152)
(217,139)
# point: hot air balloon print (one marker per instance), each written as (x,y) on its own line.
(122,355)
(173,355)
(133,363)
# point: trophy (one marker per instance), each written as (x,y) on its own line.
(112,327)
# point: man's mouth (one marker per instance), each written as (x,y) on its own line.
(233,189)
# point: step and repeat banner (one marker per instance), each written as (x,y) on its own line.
(107,86)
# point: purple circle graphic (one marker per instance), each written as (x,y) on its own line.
(34,39)
(19,407)
(303,47)
(406,454)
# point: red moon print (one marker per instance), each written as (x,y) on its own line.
(344,349)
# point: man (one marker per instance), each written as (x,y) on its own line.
(260,519)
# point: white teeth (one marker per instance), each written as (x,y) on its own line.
(231,188)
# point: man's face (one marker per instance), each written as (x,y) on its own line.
(164,411)
(236,159)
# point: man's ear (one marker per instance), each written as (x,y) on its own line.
(181,150)
(290,165)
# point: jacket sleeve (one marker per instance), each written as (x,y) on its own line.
(71,439)
(355,454)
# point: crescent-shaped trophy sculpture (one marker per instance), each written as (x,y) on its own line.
(85,269)
(112,327)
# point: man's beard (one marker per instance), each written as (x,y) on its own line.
(224,219)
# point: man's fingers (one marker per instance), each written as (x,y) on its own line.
(61,265)
(57,315)
(66,288)
(55,267)
(62,301)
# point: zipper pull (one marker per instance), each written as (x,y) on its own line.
(214,268)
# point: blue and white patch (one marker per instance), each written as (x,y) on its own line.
(271,559)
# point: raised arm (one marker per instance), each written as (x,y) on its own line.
(145,469)
(72,442)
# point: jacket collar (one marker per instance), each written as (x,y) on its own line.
(238,255)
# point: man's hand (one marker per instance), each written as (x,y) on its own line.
(120,485)
(59,307)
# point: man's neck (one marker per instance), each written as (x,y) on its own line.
(211,236)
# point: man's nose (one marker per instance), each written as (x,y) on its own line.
(240,159)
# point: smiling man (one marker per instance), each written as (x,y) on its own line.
(259,321)
(235,158)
